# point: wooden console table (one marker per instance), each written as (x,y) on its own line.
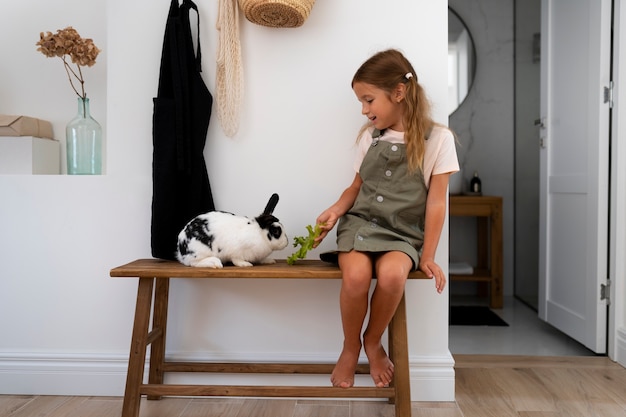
(488,211)
(154,277)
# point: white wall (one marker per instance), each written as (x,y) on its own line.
(65,324)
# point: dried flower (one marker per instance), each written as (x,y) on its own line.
(67,42)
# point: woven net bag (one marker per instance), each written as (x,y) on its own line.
(277,13)
(229,68)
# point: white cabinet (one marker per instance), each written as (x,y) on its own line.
(29,155)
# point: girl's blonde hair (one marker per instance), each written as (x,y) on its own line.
(387,69)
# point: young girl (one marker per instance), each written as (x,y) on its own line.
(391,216)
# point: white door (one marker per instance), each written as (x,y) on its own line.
(574,159)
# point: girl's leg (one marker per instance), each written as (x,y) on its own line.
(356,268)
(392,270)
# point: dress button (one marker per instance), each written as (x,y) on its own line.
(394,148)
(380,198)
(374,220)
(388,173)
(359,237)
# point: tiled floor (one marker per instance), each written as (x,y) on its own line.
(525,335)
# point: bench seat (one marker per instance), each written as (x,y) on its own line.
(152,301)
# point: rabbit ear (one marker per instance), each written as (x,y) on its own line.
(271,205)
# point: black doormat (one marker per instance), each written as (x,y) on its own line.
(474,316)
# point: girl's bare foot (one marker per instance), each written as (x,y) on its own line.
(381,367)
(343,374)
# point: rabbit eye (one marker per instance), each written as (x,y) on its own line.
(275,231)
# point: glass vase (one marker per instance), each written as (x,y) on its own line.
(83,136)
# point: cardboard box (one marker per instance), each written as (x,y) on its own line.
(29,155)
(25,126)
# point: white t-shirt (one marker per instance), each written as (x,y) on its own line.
(439,155)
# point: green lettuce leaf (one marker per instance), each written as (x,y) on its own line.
(305,243)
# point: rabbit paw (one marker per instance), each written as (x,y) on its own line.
(241,262)
(210,262)
(268,261)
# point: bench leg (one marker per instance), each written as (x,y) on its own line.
(137,358)
(399,354)
(159,325)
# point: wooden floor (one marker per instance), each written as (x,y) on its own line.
(486,386)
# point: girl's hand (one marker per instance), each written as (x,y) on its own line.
(432,270)
(331,215)
(326,222)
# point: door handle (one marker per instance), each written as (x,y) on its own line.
(541,123)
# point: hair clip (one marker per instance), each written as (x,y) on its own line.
(408,75)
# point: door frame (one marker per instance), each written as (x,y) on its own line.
(617,266)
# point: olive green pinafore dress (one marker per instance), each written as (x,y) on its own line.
(389,211)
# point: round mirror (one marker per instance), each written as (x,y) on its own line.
(461,61)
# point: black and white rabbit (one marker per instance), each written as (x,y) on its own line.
(214,238)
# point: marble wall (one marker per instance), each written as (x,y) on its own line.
(484,124)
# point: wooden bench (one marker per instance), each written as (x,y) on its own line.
(152,299)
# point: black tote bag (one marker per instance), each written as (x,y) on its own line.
(182,111)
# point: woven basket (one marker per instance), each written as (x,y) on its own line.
(277,13)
